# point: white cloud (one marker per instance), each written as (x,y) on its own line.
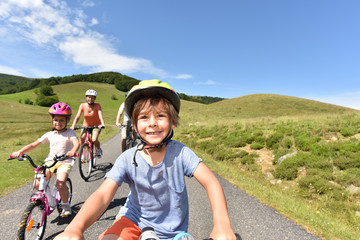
(208,82)
(183,76)
(10,71)
(52,24)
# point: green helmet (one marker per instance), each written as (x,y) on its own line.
(149,88)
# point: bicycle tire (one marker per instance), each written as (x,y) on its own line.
(33,222)
(69,186)
(85,162)
(94,157)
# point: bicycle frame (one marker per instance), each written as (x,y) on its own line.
(41,193)
(89,141)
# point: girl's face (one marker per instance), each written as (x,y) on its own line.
(90,99)
(154,125)
(59,122)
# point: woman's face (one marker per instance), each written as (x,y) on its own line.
(154,125)
(90,99)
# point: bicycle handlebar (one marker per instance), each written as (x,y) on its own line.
(88,128)
(23,157)
(236,235)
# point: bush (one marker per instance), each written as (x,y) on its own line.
(256,145)
(346,162)
(287,170)
(46,90)
(46,101)
(28,101)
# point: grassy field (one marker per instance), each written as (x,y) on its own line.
(241,139)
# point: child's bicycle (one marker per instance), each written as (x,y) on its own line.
(87,154)
(33,221)
(131,140)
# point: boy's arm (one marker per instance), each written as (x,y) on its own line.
(222,227)
(77,117)
(89,214)
(27,148)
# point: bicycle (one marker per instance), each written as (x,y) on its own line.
(131,139)
(33,221)
(87,154)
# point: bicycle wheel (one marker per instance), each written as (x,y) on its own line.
(33,222)
(85,162)
(69,186)
(94,157)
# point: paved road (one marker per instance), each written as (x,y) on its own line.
(249,217)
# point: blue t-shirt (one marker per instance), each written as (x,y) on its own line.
(158,196)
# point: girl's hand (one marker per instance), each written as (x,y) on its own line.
(70,154)
(101,126)
(16,154)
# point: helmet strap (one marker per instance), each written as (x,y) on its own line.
(143,145)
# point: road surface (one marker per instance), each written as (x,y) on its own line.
(251,219)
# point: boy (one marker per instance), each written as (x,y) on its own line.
(155,171)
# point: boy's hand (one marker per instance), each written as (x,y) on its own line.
(222,233)
(70,235)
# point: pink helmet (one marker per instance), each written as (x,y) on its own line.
(60,108)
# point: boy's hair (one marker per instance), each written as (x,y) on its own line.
(154,103)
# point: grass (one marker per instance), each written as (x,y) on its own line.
(310,187)
(241,139)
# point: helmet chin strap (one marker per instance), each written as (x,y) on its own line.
(143,145)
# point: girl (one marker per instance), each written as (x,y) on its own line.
(155,171)
(61,141)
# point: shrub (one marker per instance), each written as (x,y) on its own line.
(256,145)
(46,90)
(247,160)
(287,170)
(316,184)
(348,177)
(346,162)
(28,101)
(46,101)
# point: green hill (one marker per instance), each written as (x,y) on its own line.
(8,81)
(241,139)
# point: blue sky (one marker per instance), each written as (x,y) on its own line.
(230,48)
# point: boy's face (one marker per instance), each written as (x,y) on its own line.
(154,125)
(90,99)
(59,122)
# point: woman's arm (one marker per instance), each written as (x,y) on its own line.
(101,118)
(222,227)
(77,117)
(89,214)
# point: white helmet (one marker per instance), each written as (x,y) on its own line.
(91,92)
